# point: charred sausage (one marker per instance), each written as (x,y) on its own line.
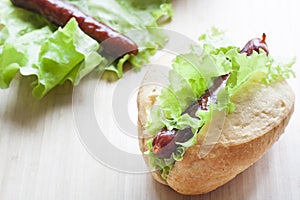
(255,44)
(60,12)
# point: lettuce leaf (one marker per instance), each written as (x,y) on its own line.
(195,72)
(29,44)
(137,19)
(10,59)
(55,66)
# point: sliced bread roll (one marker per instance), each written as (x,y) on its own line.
(260,117)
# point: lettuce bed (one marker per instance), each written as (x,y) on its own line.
(32,46)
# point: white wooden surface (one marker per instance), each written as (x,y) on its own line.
(41,156)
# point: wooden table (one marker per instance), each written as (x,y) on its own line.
(42,157)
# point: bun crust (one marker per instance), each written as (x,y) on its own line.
(260,117)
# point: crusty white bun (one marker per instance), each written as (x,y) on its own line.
(260,117)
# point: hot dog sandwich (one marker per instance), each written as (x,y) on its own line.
(213,122)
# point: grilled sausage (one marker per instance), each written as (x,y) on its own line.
(255,44)
(60,12)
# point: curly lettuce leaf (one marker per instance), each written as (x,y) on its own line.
(215,57)
(10,61)
(137,19)
(55,66)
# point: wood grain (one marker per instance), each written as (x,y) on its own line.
(42,157)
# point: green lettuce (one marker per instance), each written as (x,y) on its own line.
(137,19)
(55,66)
(29,44)
(11,64)
(192,74)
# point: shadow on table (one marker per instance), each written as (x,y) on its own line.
(24,110)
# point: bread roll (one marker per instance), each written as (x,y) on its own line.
(260,117)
